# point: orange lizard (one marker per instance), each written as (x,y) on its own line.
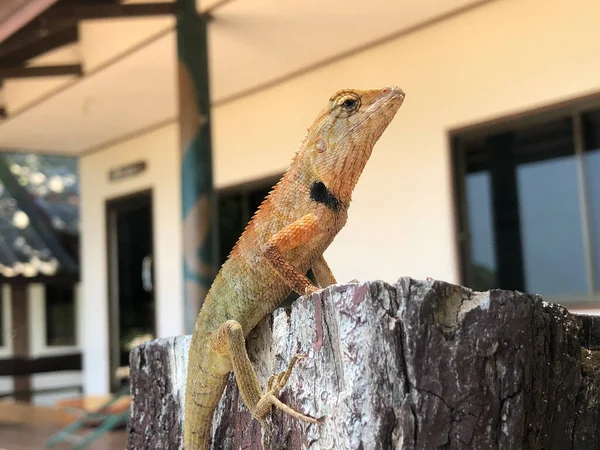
(287,235)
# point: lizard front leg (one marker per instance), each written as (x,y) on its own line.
(322,272)
(290,237)
(295,234)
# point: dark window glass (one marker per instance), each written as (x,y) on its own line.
(479,212)
(231,223)
(591,126)
(523,210)
(256,197)
(551,227)
(236,208)
(60,315)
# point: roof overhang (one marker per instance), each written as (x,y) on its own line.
(118,76)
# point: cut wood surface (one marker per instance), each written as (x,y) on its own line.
(415,364)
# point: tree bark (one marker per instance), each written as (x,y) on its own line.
(417,364)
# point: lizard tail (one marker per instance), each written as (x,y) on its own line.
(202,396)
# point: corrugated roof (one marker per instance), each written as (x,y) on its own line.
(53,183)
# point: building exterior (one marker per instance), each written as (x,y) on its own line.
(486,177)
(39,219)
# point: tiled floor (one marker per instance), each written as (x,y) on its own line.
(28,437)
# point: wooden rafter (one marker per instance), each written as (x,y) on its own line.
(58,26)
(40,71)
(103,10)
(31,42)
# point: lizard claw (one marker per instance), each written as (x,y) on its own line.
(310,290)
(278,381)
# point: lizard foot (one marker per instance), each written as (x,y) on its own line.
(274,385)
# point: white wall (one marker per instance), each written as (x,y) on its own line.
(504,57)
(160,149)
(125,35)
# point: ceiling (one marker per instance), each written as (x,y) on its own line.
(252,43)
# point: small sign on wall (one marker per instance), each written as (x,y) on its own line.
(127,171)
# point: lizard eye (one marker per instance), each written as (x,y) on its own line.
(346,104)
(349,103)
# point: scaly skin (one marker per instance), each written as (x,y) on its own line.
(287,235)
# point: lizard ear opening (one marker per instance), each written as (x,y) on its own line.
(321,145)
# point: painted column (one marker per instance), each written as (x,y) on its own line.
(200,239)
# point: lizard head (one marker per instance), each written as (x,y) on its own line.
(342,137)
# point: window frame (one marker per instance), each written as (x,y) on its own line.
(73,287)
(575,109)
(37,318)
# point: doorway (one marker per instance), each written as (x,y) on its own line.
(130,278)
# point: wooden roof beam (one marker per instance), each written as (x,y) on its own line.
(30,43)
(40,71)
(97,10)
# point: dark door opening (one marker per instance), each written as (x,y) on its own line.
(130,269)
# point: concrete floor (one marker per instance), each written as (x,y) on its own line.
(32,437)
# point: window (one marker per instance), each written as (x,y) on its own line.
(591,126)
(60,315)
(236,207)
(529,201)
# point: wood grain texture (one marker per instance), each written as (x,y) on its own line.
(416,364)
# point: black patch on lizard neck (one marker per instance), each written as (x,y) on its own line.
(320,194)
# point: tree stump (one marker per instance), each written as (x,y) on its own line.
(417,364)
